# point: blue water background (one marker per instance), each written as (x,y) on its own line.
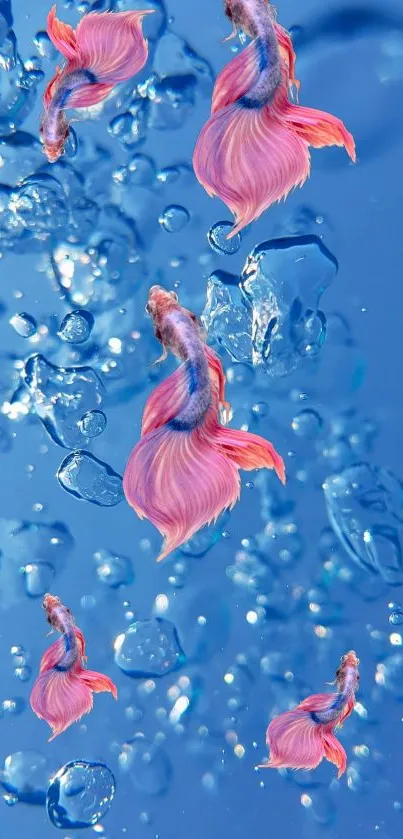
(344,67)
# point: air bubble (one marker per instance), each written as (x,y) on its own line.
(89,479)
(76,327)
(217,238)
(174,218)
(80,795)
(23,324)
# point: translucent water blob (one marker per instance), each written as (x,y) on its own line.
(149,648)
(147,766)
(364,508)
(76,327)
(113,570)
(307,423)
(89,479)
(23,324)
(80,794)
(174,218)
(25,776)
(93,423)
(217,238)
(60,396)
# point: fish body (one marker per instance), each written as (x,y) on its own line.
(185,469)
(301,738)
(62,693)
(105,49)
(254,148)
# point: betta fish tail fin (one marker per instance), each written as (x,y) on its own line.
(319,129)
(183,479)
(61,697)
(334,752)
(98,682)
(110,46)
(62,36)
(252,154)
(297,741)
(248,451)
(248,156)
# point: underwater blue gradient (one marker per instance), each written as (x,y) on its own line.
(259,616)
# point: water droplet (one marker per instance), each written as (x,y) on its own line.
(80,794)
(130,128)
(76,327)
(396,615)
(217,238)
(363,504)
(113,570)
(13,706)
(25,325)
(226,320)
(283,281)
(260,409)
(93,423)
(147,766)
(149,648)
(307,423)
(90,479)
(23,673)
(142,170)
(174,218)
(25,774)
(38,578)
(60,396)
(44,46)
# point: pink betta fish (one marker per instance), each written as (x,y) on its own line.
(105,49)
(185,470)
(62,693)
(300,739)
(255,147)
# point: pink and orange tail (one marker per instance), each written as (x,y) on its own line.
(62,697)
(253,157)
(296,741)
(110,45)
(182,480)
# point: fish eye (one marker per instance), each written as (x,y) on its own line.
(148,308)
(174,296)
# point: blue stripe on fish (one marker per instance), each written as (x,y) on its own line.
(263,63)
(77,78)
(68,647)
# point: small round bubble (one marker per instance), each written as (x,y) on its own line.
(25,776)
(142,170)
(149,648)
(93,423)
(38,577)
(113,570)
(307,423)
(23,324)
(147,766)
(174,218)
(217,238)
(76,327)
(44,46)
(260,409)
(80,794)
